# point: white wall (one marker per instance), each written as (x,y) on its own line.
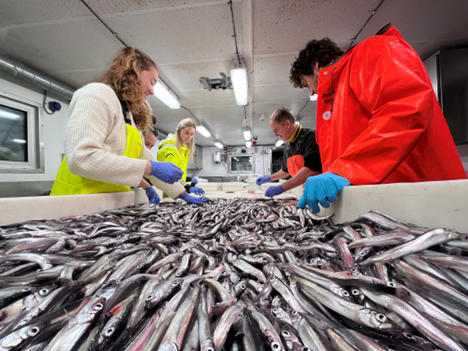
(53,127)
(463,151)
(212,169)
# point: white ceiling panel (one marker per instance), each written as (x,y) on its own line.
(106,7)
(279,93)
(272,69)
(182,35)
(26,12)
(286,26)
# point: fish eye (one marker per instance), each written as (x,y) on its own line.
(109,331)
(274,310)
(149,297)
(362,253)
(175,284)
(33,331)
(210,349)
(391,284)
(99,306)
(355,292)
(242,286)
(275,346)
(381,317)
(26,289)
(345,293)
(178,274)
(286,334)
(294,313)
(43,292)
(305,348)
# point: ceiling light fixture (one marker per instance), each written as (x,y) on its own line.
(248,144)
(219,145)
(239,83)
(203,131)
(313,97)
(9,115)
(247,133)
(279,143)
(163,93)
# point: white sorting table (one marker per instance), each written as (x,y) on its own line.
(430,204)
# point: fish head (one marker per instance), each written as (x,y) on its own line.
(377,320)
(91,310)
(207,345)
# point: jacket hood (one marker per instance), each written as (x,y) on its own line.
(170,139)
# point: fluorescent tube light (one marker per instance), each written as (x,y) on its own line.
(240,85)
(9,115)
(279,143)
(203,131)
(247,133)
(219,145)
(248,144)
(313,97)
(163,93)
(18,141)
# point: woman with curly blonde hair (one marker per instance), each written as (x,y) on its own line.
(104,150)
(179,149)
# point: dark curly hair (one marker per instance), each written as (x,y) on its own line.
(323,51)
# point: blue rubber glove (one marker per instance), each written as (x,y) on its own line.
(274,190)
(322,189)
(166,171)
(194,181)
(153,196)
(193,200)
(196,190)
(261,180)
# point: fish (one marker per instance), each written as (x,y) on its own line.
(252,274)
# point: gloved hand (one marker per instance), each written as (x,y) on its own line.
(153,196)
(194,181)
(322,189)
(166,171)
(192,199)
(196,190)
(261,180)
(274,190)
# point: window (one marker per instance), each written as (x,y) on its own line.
(20,145)
(241,164)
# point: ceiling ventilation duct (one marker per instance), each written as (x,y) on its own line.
(41,80)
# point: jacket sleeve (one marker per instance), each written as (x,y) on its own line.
(391,84)
(173,190)
(92,118)
(171,154)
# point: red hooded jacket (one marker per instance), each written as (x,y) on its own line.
(380,122)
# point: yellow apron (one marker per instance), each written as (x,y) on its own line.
(67,183)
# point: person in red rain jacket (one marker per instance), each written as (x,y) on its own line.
(378,120)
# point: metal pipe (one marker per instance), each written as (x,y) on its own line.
(41,80)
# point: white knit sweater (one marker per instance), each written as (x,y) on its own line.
(96,139)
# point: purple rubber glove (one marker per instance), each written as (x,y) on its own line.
(153,196)
(166,171)
(322,189)
(194,181)
(261,180)
(274,190)
(193,200)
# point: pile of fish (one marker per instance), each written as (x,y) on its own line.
(231,275)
